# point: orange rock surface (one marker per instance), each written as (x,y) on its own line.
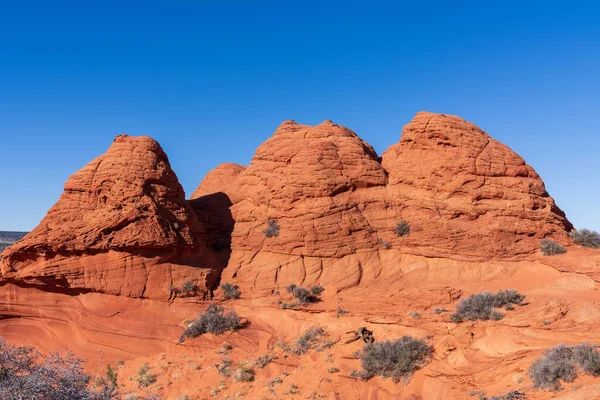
(122,226)
(95,277)
(464,195)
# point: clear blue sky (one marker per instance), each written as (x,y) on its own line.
(211,80)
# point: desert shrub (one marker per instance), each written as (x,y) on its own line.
(556,365)
(551,248)
(145,377)
(308,340)
(439,310)
(586,238)
(340,312)
(302,296)
(317,290)
(273,382)
(107,385)
(333,370)
(244,374)
(264,360)
(27,374)
(216,320)
(224,368)
(272,229)
(384,243)
(482,306)
(230,291)
(511,395)
(189,288)
(587,357)
(402,228)
(414,314)
(397,359)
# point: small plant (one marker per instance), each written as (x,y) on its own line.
(302,296)
(511,395)
(402,228)
(482,306)
(244,374)
(230,291)
(224,368)
(274,381)
(225,348)
(264,360)
(333,370)
(144,377)
(189,288)
(586,238)
(317,290)
(551,248)
(439,310)
(414,314)
(272,229)
(546,322)
(308,340)
(384,243)
(398,359)
(340,312)
(216,320)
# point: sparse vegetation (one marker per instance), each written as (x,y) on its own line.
(340,312)
(511,395)
(333,370)
(439,310)
(224,368)
(556,365)
(189,288)
(144,377)
(561,363)
(384,243)
(244,373)
(230,291)
(414,314)
(550,248)
(216,320)
(482,306)
(264,360)
(402,228)
(303,296)
(317,290)
(308,340)
(398,359)
(586,238)
(274,381)
(272,229)
(27,374)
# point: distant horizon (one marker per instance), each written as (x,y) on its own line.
(210,81)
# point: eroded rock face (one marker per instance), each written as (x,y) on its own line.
(465,196)
(122,219)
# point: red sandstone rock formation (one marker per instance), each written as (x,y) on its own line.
(465,196)
(122,226)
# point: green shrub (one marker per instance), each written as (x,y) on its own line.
(317,290)
(145,377)
(402,228)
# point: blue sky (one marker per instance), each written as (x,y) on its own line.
(211,80)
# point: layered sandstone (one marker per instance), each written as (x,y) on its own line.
(466,197)
(122,226)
